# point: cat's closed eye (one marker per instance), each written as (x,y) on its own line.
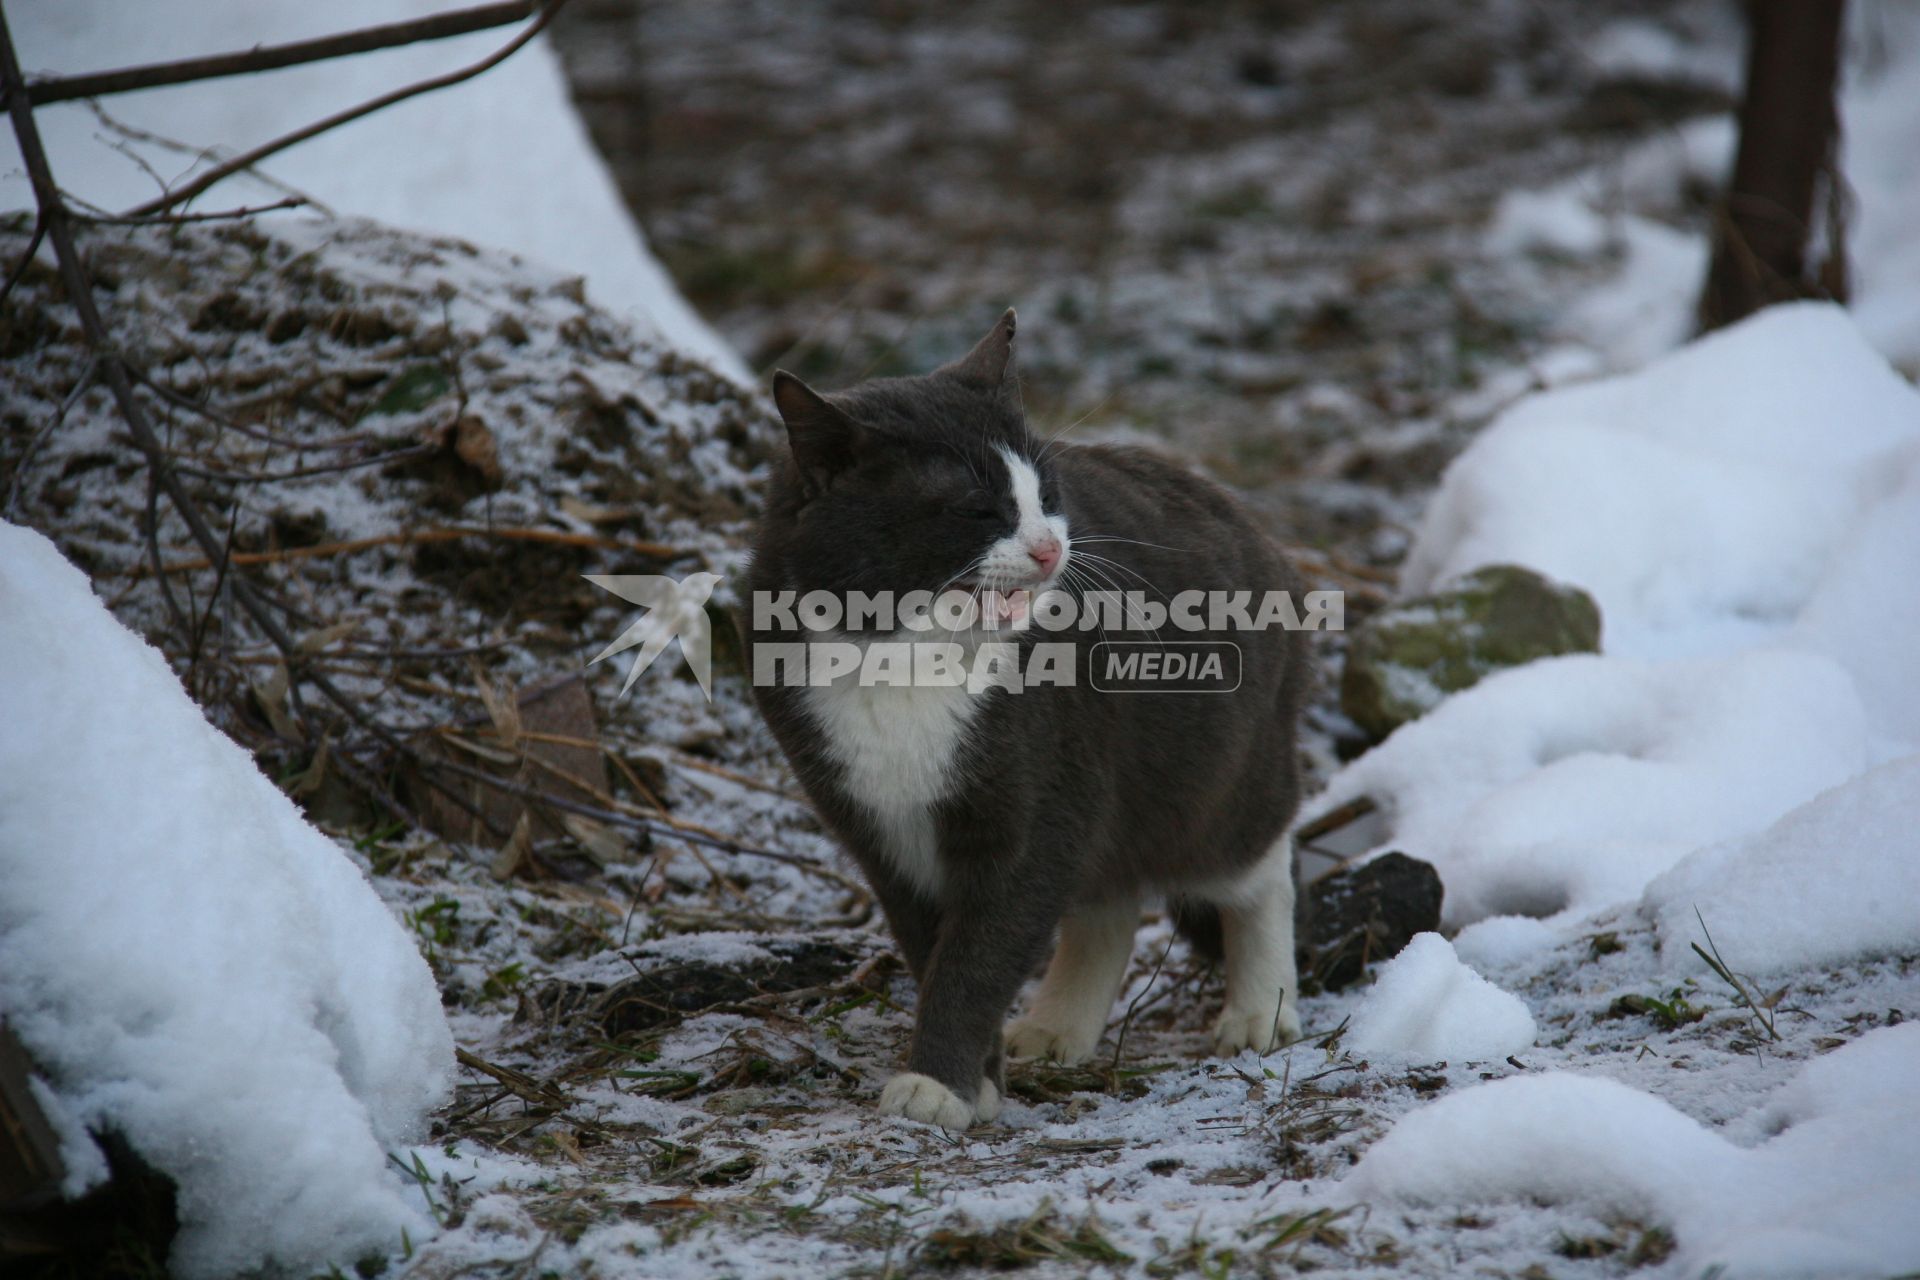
(976,506)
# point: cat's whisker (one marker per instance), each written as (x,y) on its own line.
(1072,574)
(1145,581)
(1102,537)
(1053,440)
(1094,564)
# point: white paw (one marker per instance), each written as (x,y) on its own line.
(1030,1038)
(1255,1029)
(925,1099)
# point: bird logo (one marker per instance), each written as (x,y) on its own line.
(673,608)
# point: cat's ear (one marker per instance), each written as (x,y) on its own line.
(823,438)
(989,366)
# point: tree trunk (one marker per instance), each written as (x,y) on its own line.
(1789,140)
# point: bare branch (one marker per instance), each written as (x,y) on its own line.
(408,537)
(111,366)
(177,219)
(247,159)
(45,89)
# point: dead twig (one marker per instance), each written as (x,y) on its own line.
(408,537)
(179,219)
(113,368)
(247,159)
(26,259)
(1761,1011)
(45,89)
(518,1083)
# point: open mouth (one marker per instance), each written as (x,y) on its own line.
(995,606)
(1007,606)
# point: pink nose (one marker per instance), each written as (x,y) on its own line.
(1045,554)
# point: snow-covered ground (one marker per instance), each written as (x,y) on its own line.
(719,1116)
(501,160)
(687,1042)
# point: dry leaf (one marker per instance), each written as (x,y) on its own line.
(513,854)
(271,694)
(602,843)
(502,707)
(315,641)
(314,774)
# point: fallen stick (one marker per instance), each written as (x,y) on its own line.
(247,159)
(97,84)
(407,537)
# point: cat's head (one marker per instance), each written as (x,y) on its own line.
(916,484)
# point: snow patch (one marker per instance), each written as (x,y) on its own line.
(1425,1004)
(1814,1200)
(187,960)
(1564,786)
(1836,878)
(1745,511)
(501,160)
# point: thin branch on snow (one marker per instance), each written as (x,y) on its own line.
(177,219)
(247,159)
(48,89)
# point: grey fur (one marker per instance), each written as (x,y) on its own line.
(1067,796)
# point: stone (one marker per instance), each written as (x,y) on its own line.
(1411,654)
(1360,915)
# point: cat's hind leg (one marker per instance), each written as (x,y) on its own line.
(1256,919)
(1070,1010)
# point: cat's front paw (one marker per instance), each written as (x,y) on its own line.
(1255,1029)
(925,1099)
(1030,1038)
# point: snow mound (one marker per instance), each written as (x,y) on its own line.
(1566,785)
(1810,1201)
(189,962)
(1425,1004)
(1713,488)
(1746,511)
(1836,878)
(500,160)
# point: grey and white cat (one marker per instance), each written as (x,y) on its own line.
(988,820)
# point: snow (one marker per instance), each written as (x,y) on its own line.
(1564,786)
(1425,1004)
(1743,754)
(500,160)
(1816,1199)
(1745,508)
(1714,487)
(1620,215)
(1835,878)
(1747,511)
(189,962)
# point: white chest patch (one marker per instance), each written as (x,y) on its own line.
(898,745)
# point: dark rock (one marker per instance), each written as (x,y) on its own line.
(1362,914)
